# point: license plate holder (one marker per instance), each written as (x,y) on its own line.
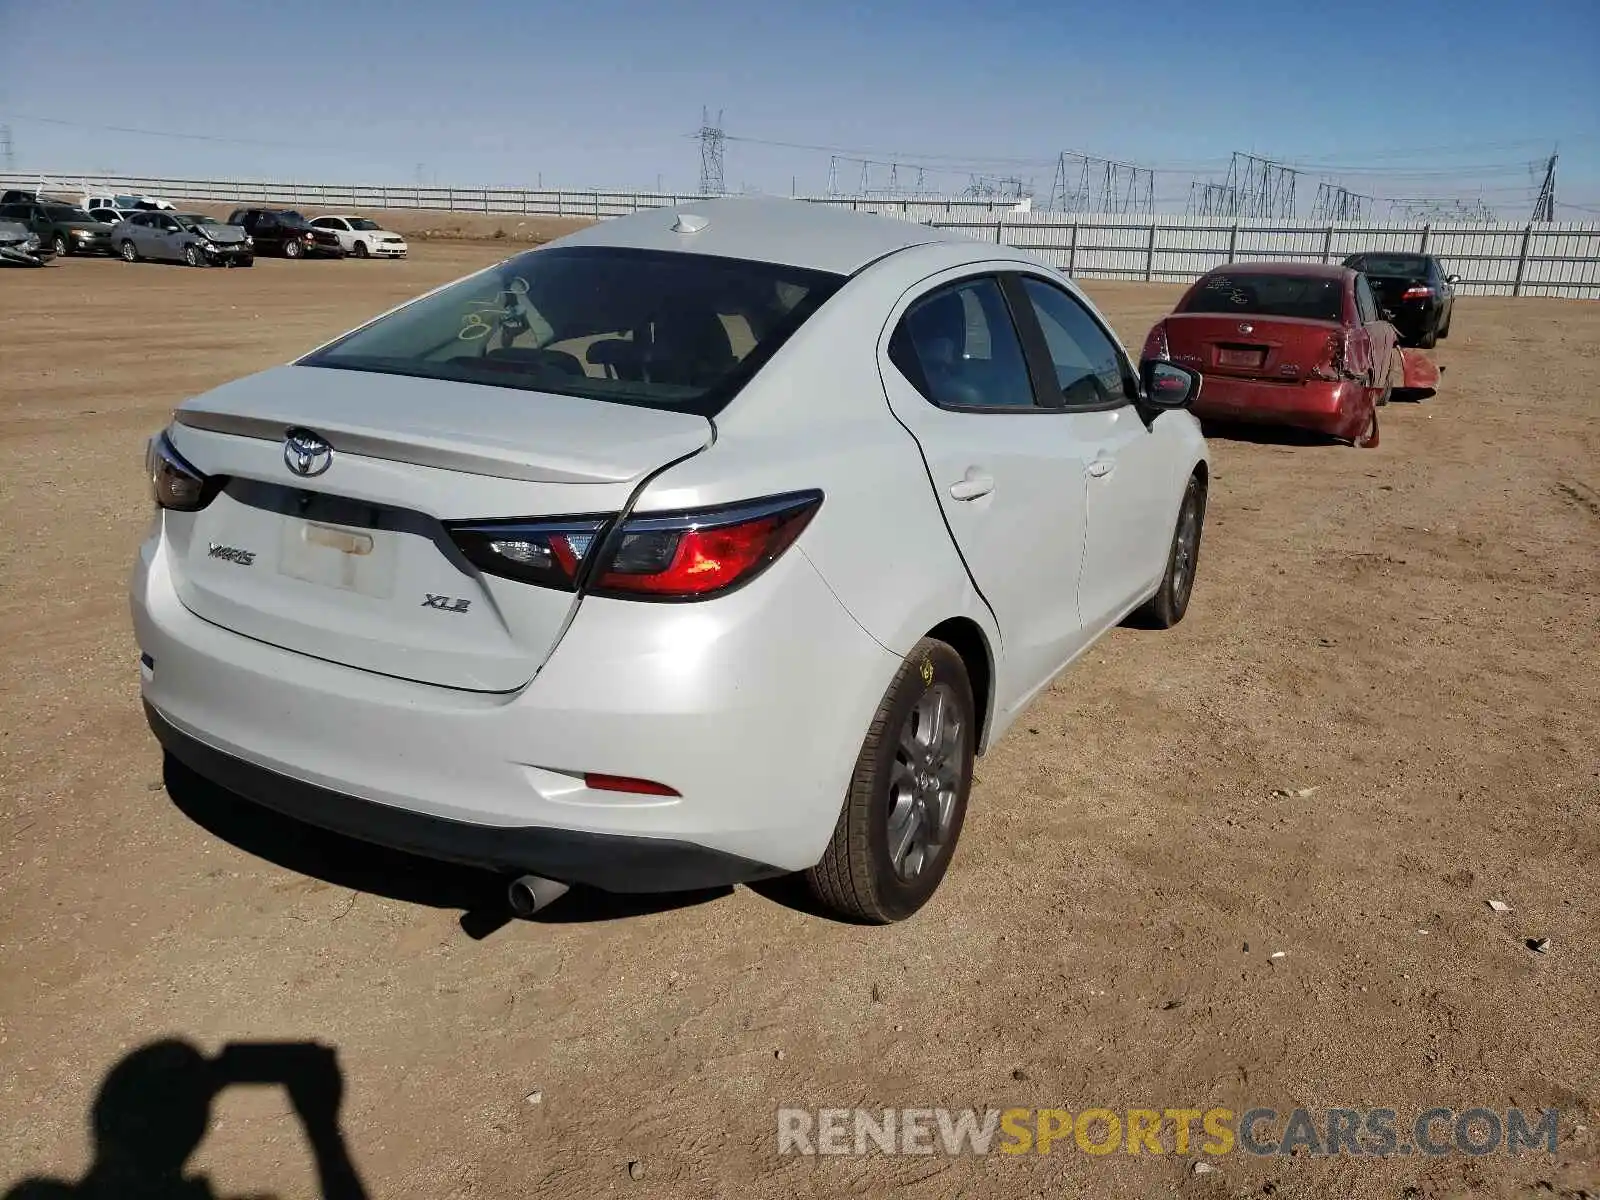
(1229,356)
(339,556)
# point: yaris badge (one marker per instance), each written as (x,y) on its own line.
(305,453)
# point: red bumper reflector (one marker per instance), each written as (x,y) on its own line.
(622,783)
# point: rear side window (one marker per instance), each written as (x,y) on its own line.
(653,328)
(1087,366)
(1313,297)
(959,348)
(1404,265)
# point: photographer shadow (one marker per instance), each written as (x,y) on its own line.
(154,1107)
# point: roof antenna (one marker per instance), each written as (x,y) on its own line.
(689,223)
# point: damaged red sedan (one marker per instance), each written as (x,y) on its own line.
(1303,345)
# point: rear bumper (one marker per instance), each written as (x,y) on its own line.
(753,706)
(609,862)
(1334,408)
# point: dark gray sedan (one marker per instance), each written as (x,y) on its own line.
(192,238)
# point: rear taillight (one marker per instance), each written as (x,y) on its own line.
(1330,365)
(660,556)
(1155,345)
(1417,293)
(549,553)
(626,783)
(174,483)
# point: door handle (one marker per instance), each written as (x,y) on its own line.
(972,486)
(1101,467)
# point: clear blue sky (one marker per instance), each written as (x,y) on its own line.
(603,92)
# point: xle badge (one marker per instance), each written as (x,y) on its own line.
(445,603)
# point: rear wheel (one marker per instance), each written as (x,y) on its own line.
(293,249)
(1444,330)
(1428,337)
(908,796)
(128,252)
(1166,608)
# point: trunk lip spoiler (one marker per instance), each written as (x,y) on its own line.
(392,448)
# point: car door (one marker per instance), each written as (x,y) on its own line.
(1131,501)
(1377,334)
(1007,471)
(164,237)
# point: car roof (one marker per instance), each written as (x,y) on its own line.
(794,232)
(1305,270)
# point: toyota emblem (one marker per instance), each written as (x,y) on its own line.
(305,453)
(1246,327)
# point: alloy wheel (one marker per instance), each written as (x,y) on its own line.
(923,782)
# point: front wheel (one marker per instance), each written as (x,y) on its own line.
(1166,608)
(293,249)
(62,246)
(191,255)
(361,250)
(908,796)
(128,252)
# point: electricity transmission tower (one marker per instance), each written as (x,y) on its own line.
(1335,203)
(1213,200)
(1085,183)
(1544,208)
(1254,187)
(993,187)
(711,140)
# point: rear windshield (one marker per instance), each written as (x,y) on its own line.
(1389,264)
(1314,297)
(658,329)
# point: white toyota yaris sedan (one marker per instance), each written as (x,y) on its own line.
(697,547)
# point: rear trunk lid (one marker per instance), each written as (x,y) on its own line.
(353,562)
(1390,288)
(1249,346)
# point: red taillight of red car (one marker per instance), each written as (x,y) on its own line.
(1417,293)
(1330,366)
(1156,346)
(688,555)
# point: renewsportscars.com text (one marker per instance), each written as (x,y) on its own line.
(1375,1132)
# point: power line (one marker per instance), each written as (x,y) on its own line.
(711,141)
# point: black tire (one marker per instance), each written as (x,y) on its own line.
(1428,338)
(62,246)
(361,250)
(128,251)
(247,262)
(192,256)
(1444,330)
(1166,608)
(293,249)
(857,877)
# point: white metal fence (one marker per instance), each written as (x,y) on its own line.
(1492,259)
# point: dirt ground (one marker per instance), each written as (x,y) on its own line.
(1413,631)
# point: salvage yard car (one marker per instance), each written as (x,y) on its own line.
(1284,343)
(1417,297)
(362,237)
(19,246)
(285,232)
(192,238)
(63,227)
(699,546)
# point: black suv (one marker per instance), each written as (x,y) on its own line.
(65,228)
(1416,296)
(286,232)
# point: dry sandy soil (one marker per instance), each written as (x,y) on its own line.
(1413,631)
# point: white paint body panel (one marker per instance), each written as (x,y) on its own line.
(754,704)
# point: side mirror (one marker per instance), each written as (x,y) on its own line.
(1452,279)
(1167,385)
